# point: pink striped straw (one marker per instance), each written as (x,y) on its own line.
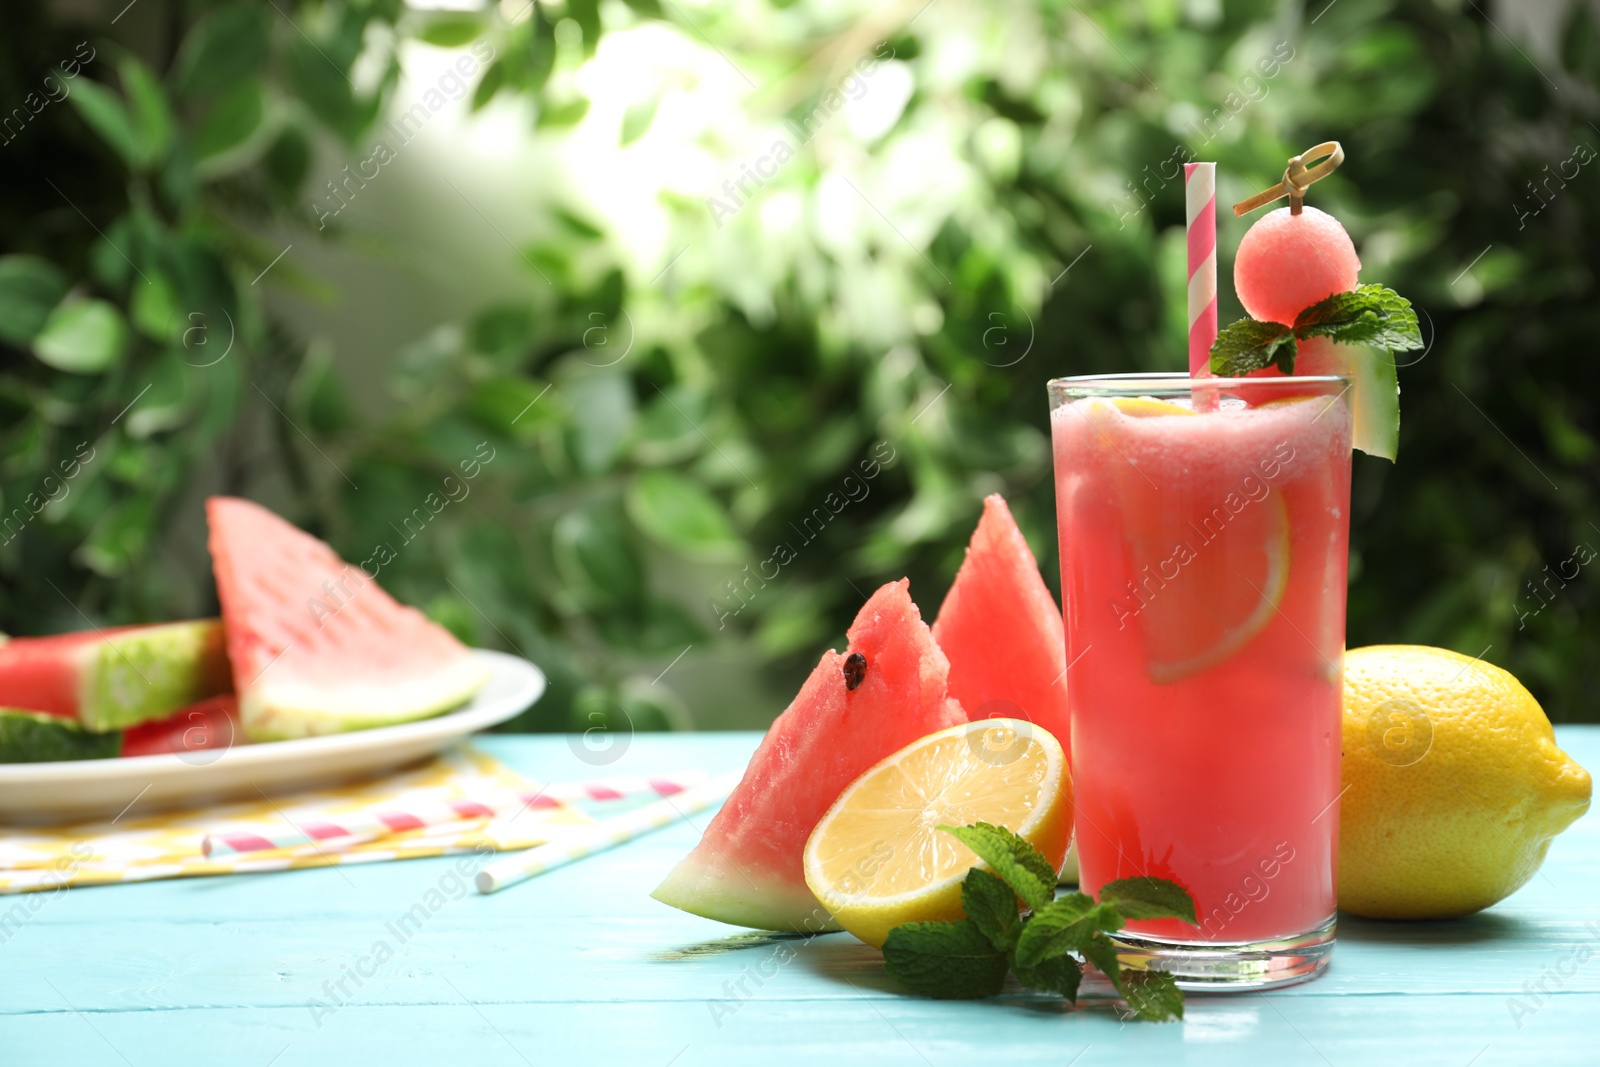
(358,826)
(1200,210)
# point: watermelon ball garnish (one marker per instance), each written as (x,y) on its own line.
(855,670)
(1288,262)
(1296,274)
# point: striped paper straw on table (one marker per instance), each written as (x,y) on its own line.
(608,834)
(1200,209)
(339,831)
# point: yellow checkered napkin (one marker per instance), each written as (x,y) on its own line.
(167,844)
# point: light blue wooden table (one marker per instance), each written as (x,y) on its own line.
(582,967)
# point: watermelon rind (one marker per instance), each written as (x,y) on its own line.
(747,869)
(1374,391)
(744,898)
(283,712)
(149,672)
(38,737)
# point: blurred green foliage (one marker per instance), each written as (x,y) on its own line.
(673,456)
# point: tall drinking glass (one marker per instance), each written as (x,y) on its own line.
(1204,552)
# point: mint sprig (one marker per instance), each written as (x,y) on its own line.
(1370,315)
(1047,947)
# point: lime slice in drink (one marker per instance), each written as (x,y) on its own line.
(1223,595)
(1143,406)
(1209,551)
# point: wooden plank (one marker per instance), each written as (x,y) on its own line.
(582,966)
(1447,1031)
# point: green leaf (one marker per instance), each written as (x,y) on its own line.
(167,403)
(559,115)
(595,558)
(323,87)
(667,430)
(541,54)
(1065,925)
(636,120)
(503,332)
(1149,898)
(1367,315)
(153,307)
(81,337)
(1058,974)
(491,83)
(149,111)
(1154,996)
(1249,345)
(950,960)
(603,412)
(120,537)
(1103,954)
(517,407)
(680,514)
(1016,861)
(991,906)
(586,13)
(288,161)
(29,288)
(452,31)
(102,110)
(235,117)
(227,47)
(577,224)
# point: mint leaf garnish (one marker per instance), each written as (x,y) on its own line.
(1063,926)
(1249,345)
(991,906)
(1149,898)
(1014,860)
(952,960)
(1153,995)
(1048,947)
(1367,315)
(1060,974)
(1103,954)
(1370,315)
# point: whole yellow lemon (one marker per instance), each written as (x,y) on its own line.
(1453,784)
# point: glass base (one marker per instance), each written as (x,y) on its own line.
(1230,966)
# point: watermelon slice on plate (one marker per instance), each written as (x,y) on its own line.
(112,678)
(886,691)
(1001,629)
(199,733)
(317,646)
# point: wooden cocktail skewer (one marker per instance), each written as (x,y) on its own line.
(1297,178)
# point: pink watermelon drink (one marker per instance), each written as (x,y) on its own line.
(1204,555)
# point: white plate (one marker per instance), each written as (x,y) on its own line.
(78,790)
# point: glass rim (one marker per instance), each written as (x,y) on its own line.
(1177,380)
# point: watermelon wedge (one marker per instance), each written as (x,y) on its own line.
(747,869)
(1001,629)
(112,678)
(317,646)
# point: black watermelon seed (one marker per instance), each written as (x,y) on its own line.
(855,670)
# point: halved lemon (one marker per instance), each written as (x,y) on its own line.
(878,858)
